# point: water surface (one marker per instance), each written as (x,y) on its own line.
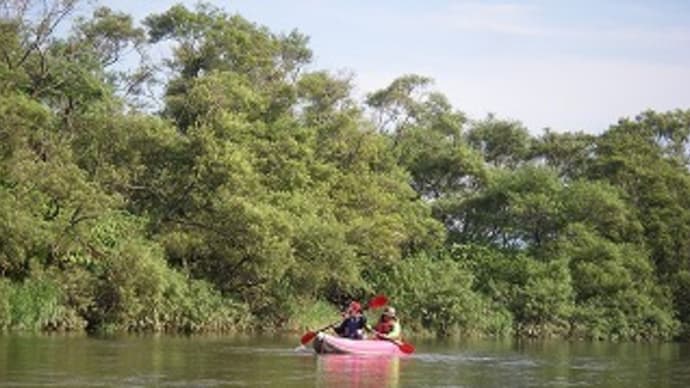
(212,361)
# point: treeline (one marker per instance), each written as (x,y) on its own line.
(262,193)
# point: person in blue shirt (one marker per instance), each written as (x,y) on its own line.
(354,324)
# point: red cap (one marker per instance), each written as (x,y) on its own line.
(355,306)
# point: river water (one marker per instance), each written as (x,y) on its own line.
(211,361)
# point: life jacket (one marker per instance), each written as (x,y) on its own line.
(384,327)
(352,326)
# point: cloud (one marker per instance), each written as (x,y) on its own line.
(530,20)
(504,18)
(647,36)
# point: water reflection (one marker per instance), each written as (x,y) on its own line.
(67,360)
(357,371)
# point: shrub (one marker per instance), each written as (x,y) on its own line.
(434,293)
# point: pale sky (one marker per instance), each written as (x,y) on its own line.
(567,65)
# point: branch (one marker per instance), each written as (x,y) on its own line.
(199,225)
(7,58)
(232,271)
(46,27)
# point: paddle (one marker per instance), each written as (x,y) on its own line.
(375,302)
(403,346)
(308,336)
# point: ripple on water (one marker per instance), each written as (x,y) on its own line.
(462,358)
(451,358)
(275,351)
(590,364)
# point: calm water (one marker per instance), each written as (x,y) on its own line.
(60,360)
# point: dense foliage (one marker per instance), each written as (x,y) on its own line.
(262,192)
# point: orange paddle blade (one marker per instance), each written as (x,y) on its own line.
(378,301)
(306,338)
(406,348)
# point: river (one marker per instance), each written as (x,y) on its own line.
(211,361)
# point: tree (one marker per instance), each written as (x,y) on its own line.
(642,157)
(502,143)
(211,40)
(568,153)
(427,137)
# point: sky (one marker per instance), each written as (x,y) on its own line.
(565,65)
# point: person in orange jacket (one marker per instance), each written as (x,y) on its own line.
(388,326)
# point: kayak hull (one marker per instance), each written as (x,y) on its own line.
(328,344)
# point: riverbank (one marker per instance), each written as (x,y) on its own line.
(34,308)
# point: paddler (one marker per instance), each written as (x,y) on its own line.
(388,326)
(354,324)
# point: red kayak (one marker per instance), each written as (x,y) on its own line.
(327,344)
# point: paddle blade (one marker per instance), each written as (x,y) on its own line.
(306,338)
(300,348)
(378,301)
(406,348)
